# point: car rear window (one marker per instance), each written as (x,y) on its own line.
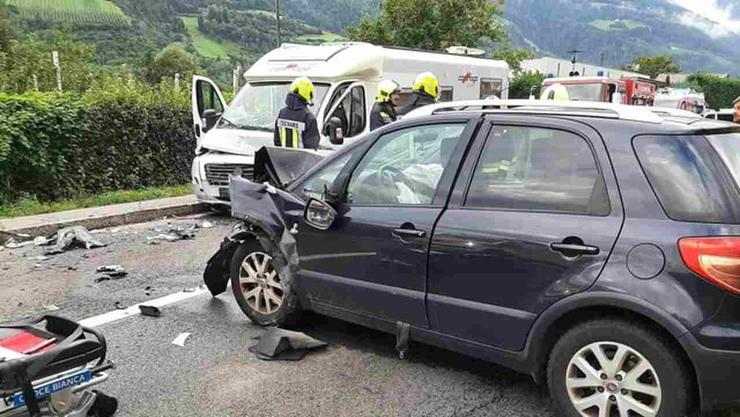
(694,177)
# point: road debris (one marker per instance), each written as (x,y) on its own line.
(112,270)
(72,237)
(180,339)
(205,224)
(284,345)
(150,311)
(13,243)
(173,233)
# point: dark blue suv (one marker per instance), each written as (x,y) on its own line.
(595,249)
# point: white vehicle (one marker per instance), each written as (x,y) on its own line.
(727,115)
(345,75)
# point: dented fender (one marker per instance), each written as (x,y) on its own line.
(216,274)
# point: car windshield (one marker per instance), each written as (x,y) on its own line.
(584,92)
(257,105)
(728,147)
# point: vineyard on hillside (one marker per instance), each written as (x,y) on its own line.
(81,13)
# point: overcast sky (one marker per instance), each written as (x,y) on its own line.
(724,13)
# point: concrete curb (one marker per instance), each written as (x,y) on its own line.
(101,217)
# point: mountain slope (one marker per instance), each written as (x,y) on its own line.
(614,32)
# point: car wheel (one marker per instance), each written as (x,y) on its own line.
(612,368)
(262,294)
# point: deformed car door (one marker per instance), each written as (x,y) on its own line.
(534,221)
(373,260)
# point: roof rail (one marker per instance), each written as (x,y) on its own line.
(588,108)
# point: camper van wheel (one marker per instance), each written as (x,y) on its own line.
(261,292)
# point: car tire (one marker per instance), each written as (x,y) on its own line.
(258,288)
(642,372)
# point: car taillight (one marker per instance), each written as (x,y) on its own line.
(716,259)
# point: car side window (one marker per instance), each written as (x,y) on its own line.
(404,167)
(535,169)
(317,184)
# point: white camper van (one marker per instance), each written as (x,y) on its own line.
(346,76)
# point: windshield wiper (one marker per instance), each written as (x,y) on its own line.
(227,121)
(259,128)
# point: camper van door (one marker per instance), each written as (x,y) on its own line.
(208,105)
(353,100)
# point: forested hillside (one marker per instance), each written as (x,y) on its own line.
(615,32)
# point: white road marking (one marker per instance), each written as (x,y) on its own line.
(133,310)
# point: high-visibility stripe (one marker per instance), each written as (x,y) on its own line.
(283,136)
(295,138)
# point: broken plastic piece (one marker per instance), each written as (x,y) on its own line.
(278,344)
(12,243)
(150,311)
(113,271)
(402,339)
(71,237)
(180,339)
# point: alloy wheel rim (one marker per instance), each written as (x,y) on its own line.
(609,379)
(260,283)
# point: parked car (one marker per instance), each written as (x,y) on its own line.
(595,247)
(722,114)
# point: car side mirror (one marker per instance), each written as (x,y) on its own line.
(335,130)
(319,214)
(210,117)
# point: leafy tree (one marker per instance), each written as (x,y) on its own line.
(655,65)
(172,60)
(525,83)
(6,34)
(430,24)
(513,56)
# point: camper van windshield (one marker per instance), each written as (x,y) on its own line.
(584,92)
(257,105)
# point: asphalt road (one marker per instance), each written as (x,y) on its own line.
(214,374)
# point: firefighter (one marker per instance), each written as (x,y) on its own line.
(384,109)
(425,91)
(296,126)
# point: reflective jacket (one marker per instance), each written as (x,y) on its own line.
(381,115)
(296,126)
(420,99)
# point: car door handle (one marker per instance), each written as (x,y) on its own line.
(409,233)
(569,249)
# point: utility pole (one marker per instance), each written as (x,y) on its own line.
(573,61)
(277,19)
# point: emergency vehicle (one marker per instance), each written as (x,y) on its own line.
(345,76)
(632,90)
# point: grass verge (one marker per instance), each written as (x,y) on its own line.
(30,207)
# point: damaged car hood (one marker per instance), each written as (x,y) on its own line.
(235,141)
(282,166)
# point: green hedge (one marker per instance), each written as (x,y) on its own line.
(115,136)
(720,92)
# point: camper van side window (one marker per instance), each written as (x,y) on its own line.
(490,87)
(446,94)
